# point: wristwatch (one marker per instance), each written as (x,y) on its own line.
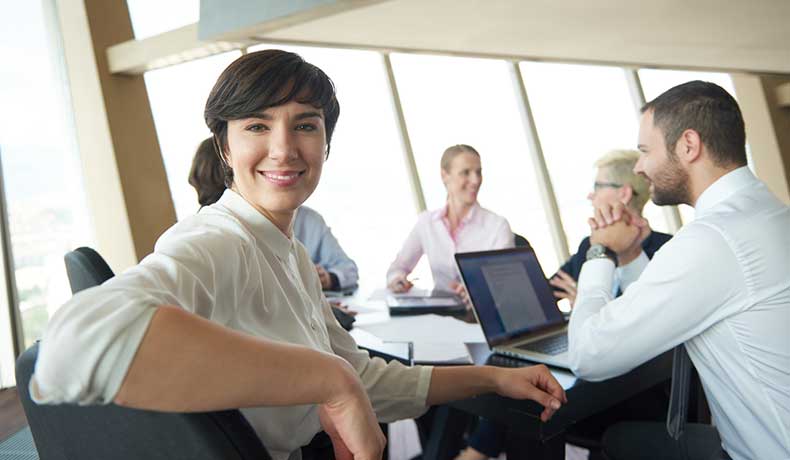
(599,251)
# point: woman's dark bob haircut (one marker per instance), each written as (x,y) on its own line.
(264,79)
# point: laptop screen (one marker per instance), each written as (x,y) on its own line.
(509,292)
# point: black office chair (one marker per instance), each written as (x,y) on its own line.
(86,268)
(520,241)
(68,432)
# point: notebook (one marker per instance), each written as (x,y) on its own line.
(418,302)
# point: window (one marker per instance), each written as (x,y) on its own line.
(580,112)
(656,81)
(450,100)
(364,193)
(47,209)
(178,96)
(153,17)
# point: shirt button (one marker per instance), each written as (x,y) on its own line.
(312,324)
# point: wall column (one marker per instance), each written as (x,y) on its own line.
(124,175)
(767,129)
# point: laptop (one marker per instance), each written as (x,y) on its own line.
(419,302)
(514,305)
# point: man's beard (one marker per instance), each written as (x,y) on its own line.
(671,185)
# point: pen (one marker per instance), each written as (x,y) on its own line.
(403,282)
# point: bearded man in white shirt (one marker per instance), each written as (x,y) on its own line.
(720,287)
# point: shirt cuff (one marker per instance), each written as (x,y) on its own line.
(596,275)
(424,384)
(334,282)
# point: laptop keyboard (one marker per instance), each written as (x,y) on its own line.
(506,361)
(552,345)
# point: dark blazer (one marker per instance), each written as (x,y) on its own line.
(573,266)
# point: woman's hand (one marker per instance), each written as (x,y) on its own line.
(535,383)
(400,284)
(323,276)
(451,383)
(620,229)
(349,421)
(566,286)
(460,291)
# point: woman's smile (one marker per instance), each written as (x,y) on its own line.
(282,178)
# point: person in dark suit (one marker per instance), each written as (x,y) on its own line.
(614,181)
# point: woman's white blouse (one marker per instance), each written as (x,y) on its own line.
(231,265)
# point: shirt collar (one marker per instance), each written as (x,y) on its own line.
(441,213)
(649,240)
(724,187)
(261,227)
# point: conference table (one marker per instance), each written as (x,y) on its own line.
(527,436)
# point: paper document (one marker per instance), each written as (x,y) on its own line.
(426,328)
(435,339)
(441,353)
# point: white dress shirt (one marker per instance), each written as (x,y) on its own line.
(233,266)
(479,230)
(312,231)
(721,286)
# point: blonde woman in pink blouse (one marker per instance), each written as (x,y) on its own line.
(462,225)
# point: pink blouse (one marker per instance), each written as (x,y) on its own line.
(479,230)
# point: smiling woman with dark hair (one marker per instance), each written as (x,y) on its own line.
(228,311)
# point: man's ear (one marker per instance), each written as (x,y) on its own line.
(689,146)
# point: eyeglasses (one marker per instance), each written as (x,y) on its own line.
(599,185)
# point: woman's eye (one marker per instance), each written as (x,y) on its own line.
(306,127)
(256,127)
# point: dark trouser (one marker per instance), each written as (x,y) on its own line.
(320,447)
(650,440)
(488,438)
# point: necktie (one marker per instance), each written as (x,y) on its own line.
(679,395)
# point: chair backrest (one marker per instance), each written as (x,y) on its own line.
(86,268)
(73,432)
(520,241)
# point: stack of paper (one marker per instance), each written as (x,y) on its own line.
(436,339)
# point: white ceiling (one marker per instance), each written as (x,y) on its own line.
(713,34)
(726,35)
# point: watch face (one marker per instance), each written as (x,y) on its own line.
(596,250)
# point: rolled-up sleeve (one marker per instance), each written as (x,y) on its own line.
(88,347)
(90,342)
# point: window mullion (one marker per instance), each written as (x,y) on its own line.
(408,152)
(541,171)
(671,213)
